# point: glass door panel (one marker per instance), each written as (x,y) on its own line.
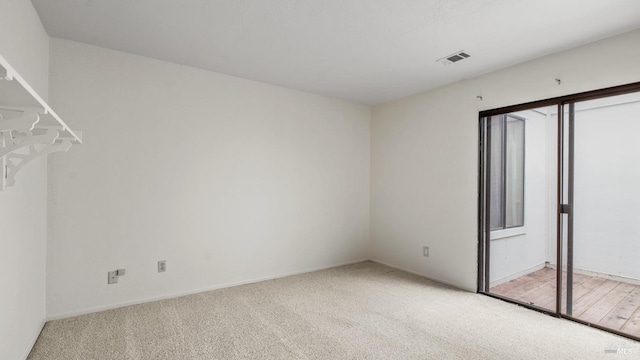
(602,284)
(519,193)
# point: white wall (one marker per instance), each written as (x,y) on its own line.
(425,154)
(607,196)
(515,255)
(226,179)
(25,44)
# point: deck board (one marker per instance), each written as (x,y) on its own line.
(632,326)
(601,308)
(589,299)
(623,311)
(609,303)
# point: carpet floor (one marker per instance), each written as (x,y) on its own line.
(360,311)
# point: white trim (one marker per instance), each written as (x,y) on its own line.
(191,292)
(517,275)
(34,338)
(505,233)
(425,276)
(622,279)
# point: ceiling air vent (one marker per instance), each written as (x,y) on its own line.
(455,57)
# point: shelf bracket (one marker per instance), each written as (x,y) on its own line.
(19,150)
(16,162)
(14,144)
(26,122)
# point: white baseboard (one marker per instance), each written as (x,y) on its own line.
(34,338)
(424,276)
(191,292)
(517,275)
(623,279)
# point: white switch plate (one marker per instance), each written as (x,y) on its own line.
(425,251)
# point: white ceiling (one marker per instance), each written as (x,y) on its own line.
(368,51)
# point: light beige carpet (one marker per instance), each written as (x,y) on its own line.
(361,311)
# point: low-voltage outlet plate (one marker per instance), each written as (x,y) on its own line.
(112,277)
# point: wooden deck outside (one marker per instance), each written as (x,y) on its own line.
(609,303)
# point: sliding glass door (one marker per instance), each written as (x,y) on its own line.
(559,206)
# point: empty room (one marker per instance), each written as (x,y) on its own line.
(307,179)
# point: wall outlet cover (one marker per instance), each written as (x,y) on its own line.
(112,277)
(425,251)
(162,266)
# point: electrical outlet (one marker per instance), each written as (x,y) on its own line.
(425,251)
(112,277)
(162,266)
